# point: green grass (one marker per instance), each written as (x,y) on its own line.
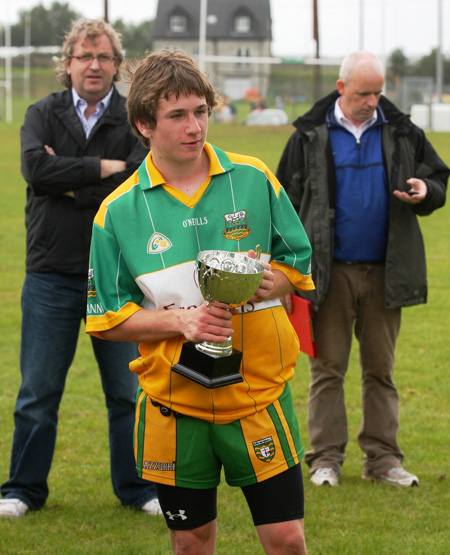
(83,516)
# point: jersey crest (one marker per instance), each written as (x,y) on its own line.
(92,291)
(236,226)
(264,449)
(158,243)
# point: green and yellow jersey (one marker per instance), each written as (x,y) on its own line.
(146,237)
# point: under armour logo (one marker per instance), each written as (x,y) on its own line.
(180,514)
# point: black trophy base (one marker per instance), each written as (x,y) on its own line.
(209,370)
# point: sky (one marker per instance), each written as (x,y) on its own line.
(412,25)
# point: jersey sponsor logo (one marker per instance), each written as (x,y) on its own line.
(195,222)
(92,291)
(264,449)
(247,307)
(162,466)
(158,243)
(173,305)
(236,226)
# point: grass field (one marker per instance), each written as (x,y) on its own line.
(83,516)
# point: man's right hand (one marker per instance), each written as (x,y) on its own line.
(108,167)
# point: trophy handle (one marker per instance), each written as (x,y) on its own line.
(207,274)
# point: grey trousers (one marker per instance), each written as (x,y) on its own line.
(355,301)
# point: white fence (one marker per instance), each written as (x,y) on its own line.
(434,118)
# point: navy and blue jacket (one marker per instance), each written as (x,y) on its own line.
(308,172)
(362,204)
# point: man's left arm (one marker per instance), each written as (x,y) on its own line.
(92,196)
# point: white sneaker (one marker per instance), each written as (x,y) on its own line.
(12,508)
(399,477)
(396,476)
(325,477)
(152,507)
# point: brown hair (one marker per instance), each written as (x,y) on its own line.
(161,75)
(86,29)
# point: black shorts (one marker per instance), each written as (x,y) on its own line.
(277,499)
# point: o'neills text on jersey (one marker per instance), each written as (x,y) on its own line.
(195,222)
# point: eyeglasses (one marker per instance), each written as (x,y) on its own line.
(103,59)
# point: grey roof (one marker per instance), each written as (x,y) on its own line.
(220,16)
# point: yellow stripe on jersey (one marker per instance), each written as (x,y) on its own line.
(256,163)
(96,324)
(126,186)
(154,175)
(215,167)
(299,281)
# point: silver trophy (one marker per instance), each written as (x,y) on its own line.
(229,278)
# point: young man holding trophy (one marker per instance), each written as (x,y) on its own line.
(175,267)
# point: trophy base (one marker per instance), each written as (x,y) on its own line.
(208,370)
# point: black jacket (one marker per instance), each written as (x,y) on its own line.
(306,170)
(58,226)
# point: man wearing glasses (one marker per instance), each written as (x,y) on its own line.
(76,148)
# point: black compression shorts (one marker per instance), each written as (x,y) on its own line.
(278,499)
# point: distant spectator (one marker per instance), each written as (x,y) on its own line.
(225,113)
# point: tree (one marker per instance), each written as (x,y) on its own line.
(48,27)
(137,39)
(398,64)
(426,65)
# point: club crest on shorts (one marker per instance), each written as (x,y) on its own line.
(236,226)
(264,449)
(158,243)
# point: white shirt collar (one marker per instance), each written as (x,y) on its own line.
(80,108)
(345,122)
(103,103)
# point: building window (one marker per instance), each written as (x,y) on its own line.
(178,23)
(243,51)
(242,24)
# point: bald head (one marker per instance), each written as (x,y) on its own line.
(360,83)
(360,62)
